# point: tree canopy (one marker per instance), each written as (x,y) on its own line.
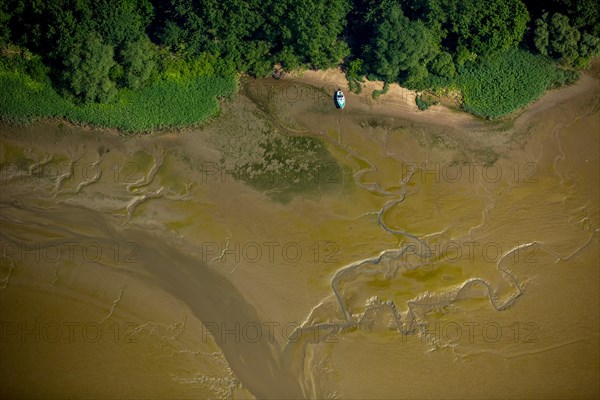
(87,69)
(400,47)
(556,38)
(93,48)
(481,27)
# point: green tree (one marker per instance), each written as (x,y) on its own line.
(121,21)
(311,28)
(355,69)
(217,26)
(5,17)
(589,47)
(554,37)
(233,30)
(443,65)
(401,48)
(288,59)
(50,28)
(172,36)
(583,14)
(482,27)
(541,35)
(138,62)
(257,58)
(87,69)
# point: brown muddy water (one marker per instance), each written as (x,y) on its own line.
(288,249)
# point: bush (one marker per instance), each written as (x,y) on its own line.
(384,90)
(424,102)
(355,86)
(354,75)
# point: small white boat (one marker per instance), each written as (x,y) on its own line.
(340,100)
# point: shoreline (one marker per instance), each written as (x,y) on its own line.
(398,102)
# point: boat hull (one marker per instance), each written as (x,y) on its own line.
(340,101)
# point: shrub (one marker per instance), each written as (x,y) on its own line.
(384,90)
(424,102)
(354,73)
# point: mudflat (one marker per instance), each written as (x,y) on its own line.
(289,249)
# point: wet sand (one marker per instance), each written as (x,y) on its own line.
(390,253)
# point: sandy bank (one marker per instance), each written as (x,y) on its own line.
(400,102)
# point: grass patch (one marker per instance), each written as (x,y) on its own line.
(255,135)
(508,82)
(166,103)
(292,165)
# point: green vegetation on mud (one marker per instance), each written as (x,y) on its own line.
(165,103)
(508,82)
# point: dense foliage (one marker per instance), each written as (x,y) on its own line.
(175,101)
(402,56)
(556,38)
(477,27)
(165,103)
(90,52)
(495,87)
